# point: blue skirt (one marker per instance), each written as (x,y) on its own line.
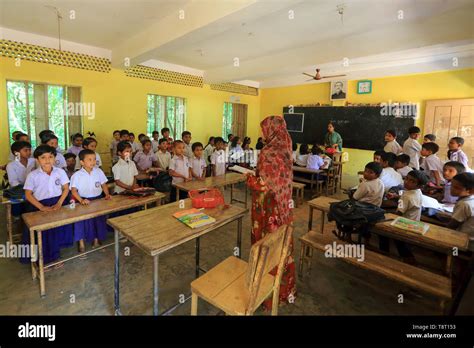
(91,228)
(53,239)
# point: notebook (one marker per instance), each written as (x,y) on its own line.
(194,218)
(410,225)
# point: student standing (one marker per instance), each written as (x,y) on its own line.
(198,164)
(412,147)
(125,170)
(208,150)
(76,147)
(145,159)
(88,184)
(165,133)
(456,153)
(90,144)
(180,169)
(188,150)
(392,145)
(218,160)
(163,155)
(155,141)
(432,165)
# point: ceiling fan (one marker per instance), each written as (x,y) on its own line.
(319,77)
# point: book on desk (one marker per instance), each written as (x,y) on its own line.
(194,218)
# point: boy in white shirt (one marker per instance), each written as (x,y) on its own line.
(370,190)
(450,170)
(180,168)
(302,156)
(463,214)
(22,165)
(390,177)
(432,165)
(163,155)
(125,170)
(456,153)
(392,145)
(186,138)
(155,140)
(198,164)
(218,160)
(412,147)
(315,159)
(401,165)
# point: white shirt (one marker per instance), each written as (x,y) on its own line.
(98,162)
(301,160)
(164,159)
(412,148)
(218,159)
(125,171)
(60,161)
(46,186)
(370,192)
(88,185)
(136,147)
(188,150)
(208,150)
(393,146)
(198,166)
(390,178)
(154,145)
(404,171)
(180,164)
(17,172)
(409,204)
(314,162)
(464,213)
(433,163)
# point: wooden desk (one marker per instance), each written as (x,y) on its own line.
(41,221)
(8,214)
(215,181)
(156,231)
(311,181)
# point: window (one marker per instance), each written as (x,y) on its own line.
(234,120)
(227,120)
(33,107)
(167,112)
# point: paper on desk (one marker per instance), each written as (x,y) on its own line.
(429,202)
(242,170)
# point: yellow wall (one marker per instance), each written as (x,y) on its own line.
(410,88)
(121,101)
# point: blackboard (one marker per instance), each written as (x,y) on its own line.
(361,127)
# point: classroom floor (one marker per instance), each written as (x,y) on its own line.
(332,288)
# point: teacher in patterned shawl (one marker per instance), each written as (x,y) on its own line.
(271,195)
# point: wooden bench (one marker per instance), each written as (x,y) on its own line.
(420,279)
(314,182)
(298,187)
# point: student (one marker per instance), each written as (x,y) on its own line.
(230,137)
(135,146)
(456,153)
(76,144)
(180,168)
(208,150)
(198,163)
(236,152)
(463,214)
(409,206)
(113,146)
(163,155)
(390,177)
(402,164)
(90,143)
(17,136)
(429,138)
(432,165)
(165,133)
(186,138)
(218,161)
(371,190)
(46,189)
(450,170)
(23,164)
(155,141)
(125,170)
(302,157)
(145,159)
(125,136)
(260,144)
(378,156)
(392,145)
(52,140)
(70,164)
(412,147)
(87,184)
(294,148)
(315,159)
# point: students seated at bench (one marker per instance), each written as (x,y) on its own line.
(315,159)
(401,165)
(392,145)
(390,177)
(302,157)
(371,190)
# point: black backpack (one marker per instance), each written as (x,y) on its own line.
(352,216)
(14,193)
(162,182)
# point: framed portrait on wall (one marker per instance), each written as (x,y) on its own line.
(364,87)
(338,89)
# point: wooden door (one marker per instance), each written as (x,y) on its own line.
(450,118)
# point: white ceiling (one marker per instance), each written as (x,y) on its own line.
(272,48)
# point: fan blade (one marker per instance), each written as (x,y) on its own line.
(308,75)
(329,76)
(309,80)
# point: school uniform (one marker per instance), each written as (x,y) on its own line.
(412,148)
(370,191)
(409,204)
(143,160)
(393,146)
(47,189)
(390,178)
(125,171)
(404,171)
(17,172)
(164,159)
(464,212)
(188,150)
(154,145)
(136,147)
(208,150)
(301,160)
(75,150)
(198,166)
(461,157)
(433,163)
(218,160)
(314,162)
(447,198)
(181,165)
(326,162)
(60,161)
(11,157)
(98,162)
(89,186)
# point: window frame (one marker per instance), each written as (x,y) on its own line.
(165,121)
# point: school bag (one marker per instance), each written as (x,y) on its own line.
(354,217)
(13,193)
(162,182)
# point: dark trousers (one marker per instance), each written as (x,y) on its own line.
(182,194)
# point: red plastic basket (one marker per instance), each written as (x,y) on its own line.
(210,198)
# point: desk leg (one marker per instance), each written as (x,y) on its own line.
(198,243)
(41,264)
(449,265)
(9,223)
(117,273)
(310,218)
(239,237)
(34,255)
(155,285)
(323,217)
(246,195)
